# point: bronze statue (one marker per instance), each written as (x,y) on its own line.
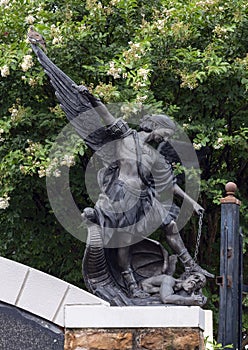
(137,188)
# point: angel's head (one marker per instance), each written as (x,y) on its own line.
(160,127)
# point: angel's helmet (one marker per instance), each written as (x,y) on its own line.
(157,121)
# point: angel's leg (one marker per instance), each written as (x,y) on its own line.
(124,262)
(175,241)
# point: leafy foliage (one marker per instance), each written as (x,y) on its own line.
(187,58)
(216,346)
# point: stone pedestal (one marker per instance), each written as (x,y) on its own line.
(136,328)
(135,339)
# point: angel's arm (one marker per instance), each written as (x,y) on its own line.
(178,191)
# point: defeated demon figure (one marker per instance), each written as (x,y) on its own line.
(182,291)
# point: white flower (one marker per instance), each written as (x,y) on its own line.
(14,112)
(143,73)
(126,109)
(115,72)
(30,19)
(5,71)
(55,31)
(160,24)
(32,82)
(42,172)
(4,202)
(1,131)
(205,3)
(57,173)
(22,169)
(136,45)
(27,63)
(141,98)
(219,143)
(114,2)
(197,146)
(68,161)
(4,2)
(57,40)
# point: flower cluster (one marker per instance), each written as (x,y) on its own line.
(93,5)
(161,24)
(197,146)
(188,80)
(206,3)
(56,173)
(114,71)
(53,168)
(5,71)
(42,171)
(131,108)
(137,84)
(32,147)
(243,61)
(220,31)
(1,138)
(17,111)
(68,160)
(4,3)
(56,34)
(134,53)
(57,40)
(107,92)
(32,82)
(30,19)
(68,14)
(114,2)
(181,30)
(14,111)
(141,98)
(219,143)
(4,202)
(143,73)
(27,63)
(185,126)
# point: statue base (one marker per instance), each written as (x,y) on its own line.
(100,327)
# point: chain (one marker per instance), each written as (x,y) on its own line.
(198,239)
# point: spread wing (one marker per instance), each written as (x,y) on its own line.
(79,105)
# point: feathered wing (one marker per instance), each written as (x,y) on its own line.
(77,103)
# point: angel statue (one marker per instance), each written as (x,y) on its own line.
(137,189)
